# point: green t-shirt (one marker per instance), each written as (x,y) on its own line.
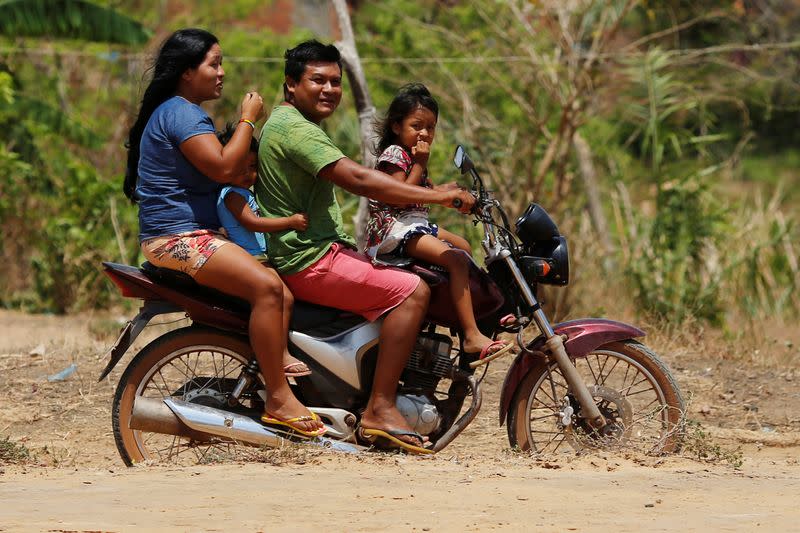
(291,153)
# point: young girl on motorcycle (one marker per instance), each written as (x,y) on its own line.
(406,135)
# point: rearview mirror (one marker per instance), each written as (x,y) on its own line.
(461,160)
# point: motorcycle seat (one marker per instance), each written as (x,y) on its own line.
(177,280)
(316,320)
(431,274)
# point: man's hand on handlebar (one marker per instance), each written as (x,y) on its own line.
(461,200)
(449,186)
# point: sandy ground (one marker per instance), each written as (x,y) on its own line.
(76,481)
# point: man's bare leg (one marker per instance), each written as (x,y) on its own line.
(397,338)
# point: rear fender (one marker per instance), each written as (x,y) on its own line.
(202,304)
(132,329)
(583,336)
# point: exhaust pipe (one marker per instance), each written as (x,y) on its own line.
(200,422)
(466,418)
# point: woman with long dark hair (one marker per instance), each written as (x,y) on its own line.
(175,167)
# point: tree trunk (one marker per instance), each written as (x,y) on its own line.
(364,107)
(589,177)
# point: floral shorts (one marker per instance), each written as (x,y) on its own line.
(186,252)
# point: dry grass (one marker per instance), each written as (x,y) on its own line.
(700,445)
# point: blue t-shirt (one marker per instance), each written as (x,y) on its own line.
(174,197)
(252,241)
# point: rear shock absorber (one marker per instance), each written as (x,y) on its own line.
(246,378)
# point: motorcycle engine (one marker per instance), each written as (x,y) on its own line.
(419,412)
(429,363)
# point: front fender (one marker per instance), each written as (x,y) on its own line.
(583,336)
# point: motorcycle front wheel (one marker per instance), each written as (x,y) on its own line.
(190,364)
(631,386)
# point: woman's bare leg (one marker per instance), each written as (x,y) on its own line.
(429,248)
(234,271)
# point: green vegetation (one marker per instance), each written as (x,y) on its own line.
(692,132)
(700,445)
(13,453)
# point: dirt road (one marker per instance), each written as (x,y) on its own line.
(76,482)
(407,494)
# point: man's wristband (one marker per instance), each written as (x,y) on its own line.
(248,122)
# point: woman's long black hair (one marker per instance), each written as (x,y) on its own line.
(182,50)
(408,98)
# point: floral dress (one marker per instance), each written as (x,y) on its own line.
(390,226)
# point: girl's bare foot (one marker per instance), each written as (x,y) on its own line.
(477,342)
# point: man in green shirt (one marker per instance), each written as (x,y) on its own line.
(298,168)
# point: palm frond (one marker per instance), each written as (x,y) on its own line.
(70,19)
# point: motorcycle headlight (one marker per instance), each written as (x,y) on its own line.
(535,225)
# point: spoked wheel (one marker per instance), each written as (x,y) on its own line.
(189,364)
(633,389)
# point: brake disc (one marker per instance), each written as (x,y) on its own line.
(617,411)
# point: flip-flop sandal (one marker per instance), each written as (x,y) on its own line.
(370,435)
(508,321)
(289,422)
(289,374)
(486,355)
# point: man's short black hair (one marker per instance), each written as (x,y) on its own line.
(298,57)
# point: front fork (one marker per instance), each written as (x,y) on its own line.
(555,346)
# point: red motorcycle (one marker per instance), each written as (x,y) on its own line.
(197,390)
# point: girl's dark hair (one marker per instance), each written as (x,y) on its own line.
(408,98)
(225,135)
(182,50)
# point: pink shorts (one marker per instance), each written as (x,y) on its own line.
(347,280)
(187,252)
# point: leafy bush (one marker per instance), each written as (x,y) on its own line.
(673,263)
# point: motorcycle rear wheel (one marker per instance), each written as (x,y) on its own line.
(631,386)
(190,364)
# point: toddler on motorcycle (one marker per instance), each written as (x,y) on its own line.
(241,219)
(406,135)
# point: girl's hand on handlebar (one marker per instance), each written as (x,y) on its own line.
(252,107)
(461,200)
